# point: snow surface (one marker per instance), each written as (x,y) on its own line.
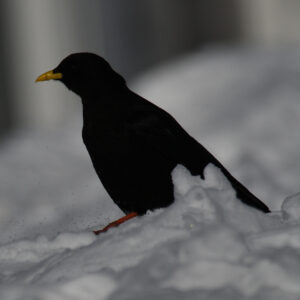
(207,245)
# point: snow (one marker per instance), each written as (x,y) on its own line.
(207,245)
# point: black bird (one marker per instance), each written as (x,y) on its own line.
(134,145)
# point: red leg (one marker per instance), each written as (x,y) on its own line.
(116,223)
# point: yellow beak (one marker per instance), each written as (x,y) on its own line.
(49,75)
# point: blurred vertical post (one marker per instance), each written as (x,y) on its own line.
(6,103)
(31,35)
(270,22)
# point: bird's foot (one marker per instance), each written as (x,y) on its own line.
(116,223)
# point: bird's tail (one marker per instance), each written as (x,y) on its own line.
(245,195)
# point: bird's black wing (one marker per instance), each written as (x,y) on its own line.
(159,131)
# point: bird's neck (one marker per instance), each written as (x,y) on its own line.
(104,102)
(101,91)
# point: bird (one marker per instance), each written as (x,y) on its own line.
(134,145)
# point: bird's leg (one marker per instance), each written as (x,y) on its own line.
(116,223)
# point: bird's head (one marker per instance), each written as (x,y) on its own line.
(83,72)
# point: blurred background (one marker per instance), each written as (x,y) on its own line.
(133,35)
(229,71)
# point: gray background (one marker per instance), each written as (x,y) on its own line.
(133,35)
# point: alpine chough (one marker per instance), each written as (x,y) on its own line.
(134,145)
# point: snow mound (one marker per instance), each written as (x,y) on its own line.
(207,244)
(41,248)
(291,208)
